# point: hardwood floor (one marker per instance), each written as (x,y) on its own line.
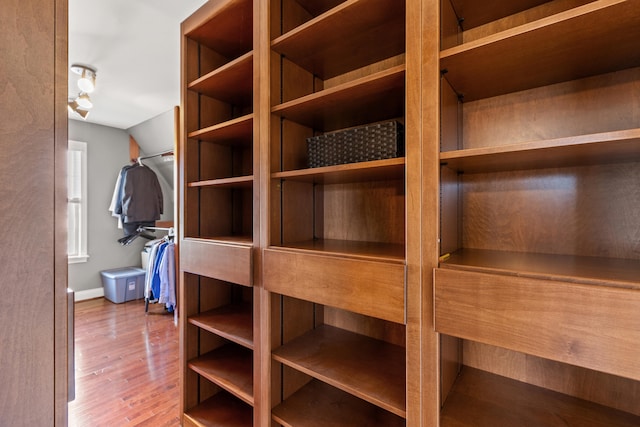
(126,365)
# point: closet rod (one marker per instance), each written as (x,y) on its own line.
(158,228)
(171,232)
(164,153)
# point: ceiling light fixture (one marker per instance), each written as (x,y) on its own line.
(87,84)
(84,101)
(87,81)
(74,107)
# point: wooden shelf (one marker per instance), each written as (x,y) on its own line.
(593,39)
(232,322)
(481,399)
(222,240)
(475,14)
(350,104)
(576,269)
(582,150)
(221,410)
(331,44)
(377,170)
(232,83)
(378,251)
(234,182)
(370,369)
(317,7)
(230,367)
(233,240)
(318,405)
(237,131)
(228,29)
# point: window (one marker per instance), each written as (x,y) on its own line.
(77,201)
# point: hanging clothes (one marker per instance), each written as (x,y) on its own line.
(115,198)
(142,199)
(168,278)
(137,200)
(160,280)
(155,277)
(150,269)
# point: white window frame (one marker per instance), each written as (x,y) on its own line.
(81,229)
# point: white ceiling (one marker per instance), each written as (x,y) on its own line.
(135,47)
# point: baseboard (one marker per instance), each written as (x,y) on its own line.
(89,294)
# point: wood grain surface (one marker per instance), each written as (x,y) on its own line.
(33,137)
(127,365)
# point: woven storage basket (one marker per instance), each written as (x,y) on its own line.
(377,141)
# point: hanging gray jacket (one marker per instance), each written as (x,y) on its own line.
(141,195)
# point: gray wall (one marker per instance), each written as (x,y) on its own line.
(157,135)
(107,152)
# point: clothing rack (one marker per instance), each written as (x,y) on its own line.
(163,153)
(160,272)
(141,231)
(170,230)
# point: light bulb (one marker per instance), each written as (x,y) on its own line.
(73,107)
(87,82)
(84,101)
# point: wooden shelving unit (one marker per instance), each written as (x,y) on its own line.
(335,256)
(539,264)
(489,276)
(219,160)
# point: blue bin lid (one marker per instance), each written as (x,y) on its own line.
(122,272)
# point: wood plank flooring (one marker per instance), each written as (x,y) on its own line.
(127,366)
